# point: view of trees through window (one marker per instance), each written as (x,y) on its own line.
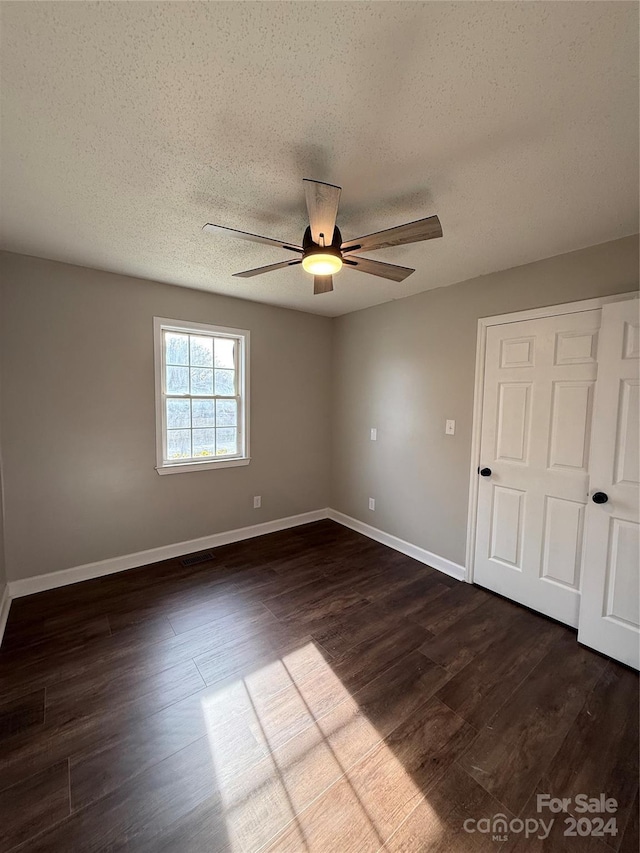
(201,395)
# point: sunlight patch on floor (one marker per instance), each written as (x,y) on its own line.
(284,734)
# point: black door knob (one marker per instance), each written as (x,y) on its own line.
(599,498)
(484,472)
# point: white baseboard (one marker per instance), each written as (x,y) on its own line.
(40,583)
(450,568)
(5,604)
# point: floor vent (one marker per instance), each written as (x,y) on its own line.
(197,558)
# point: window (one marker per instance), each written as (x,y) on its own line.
(202,400)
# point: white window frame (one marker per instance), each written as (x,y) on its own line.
(164,466)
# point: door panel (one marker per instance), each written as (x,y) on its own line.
(631,346)
(517,352)
(576,347)
(536,433)
(621,582)
(513,421)
(609,611)
(562,541)
(628,439)
(571,406)
(506,530)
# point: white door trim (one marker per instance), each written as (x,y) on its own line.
(483,325)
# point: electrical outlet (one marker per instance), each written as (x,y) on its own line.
(374,434)
(372,504)
(450,428)
(257,502)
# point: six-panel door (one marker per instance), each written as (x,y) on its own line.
(536,432)
(610,606)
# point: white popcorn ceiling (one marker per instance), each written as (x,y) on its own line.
(127,126)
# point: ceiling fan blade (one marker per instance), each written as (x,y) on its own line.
(322,283)
(269,268)
(391,271)
(412,232)
(322,207)
(245,235)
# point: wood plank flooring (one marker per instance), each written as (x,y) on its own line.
(310,690)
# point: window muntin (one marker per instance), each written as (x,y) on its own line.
(203,394)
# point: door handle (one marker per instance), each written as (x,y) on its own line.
(484,472)
(600,497)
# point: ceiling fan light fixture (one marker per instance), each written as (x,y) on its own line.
(322,263)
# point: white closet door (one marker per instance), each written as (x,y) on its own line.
(536,427)
(610,607)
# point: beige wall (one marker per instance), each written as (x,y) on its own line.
(406,366)
(78,417)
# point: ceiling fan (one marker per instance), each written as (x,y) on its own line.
(323,250)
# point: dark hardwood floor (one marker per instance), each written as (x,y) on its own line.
(310,690)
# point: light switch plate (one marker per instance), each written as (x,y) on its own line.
(374,434)
(450,428)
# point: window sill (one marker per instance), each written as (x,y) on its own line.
(182,468)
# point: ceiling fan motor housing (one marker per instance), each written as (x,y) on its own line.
(330,248)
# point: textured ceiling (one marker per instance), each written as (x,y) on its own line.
(127,126)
